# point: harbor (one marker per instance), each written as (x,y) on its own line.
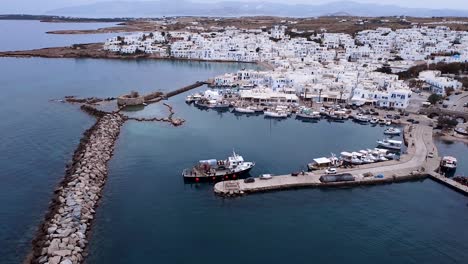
(416,164)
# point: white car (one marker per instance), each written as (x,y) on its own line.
(265,176)
(330,171)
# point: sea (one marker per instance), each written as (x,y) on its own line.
(149,214)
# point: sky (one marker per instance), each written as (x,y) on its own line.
(41,6)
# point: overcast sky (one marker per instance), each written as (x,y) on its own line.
(41,6)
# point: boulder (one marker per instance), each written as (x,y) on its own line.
(55,260)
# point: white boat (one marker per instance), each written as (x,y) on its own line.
(265,176)
(356,160)
(392,131)
(388,123)
(275,114)
(390,144)
(193,98)
(461,131)
(361,118)
(448,162)
(374,121)
(244,110)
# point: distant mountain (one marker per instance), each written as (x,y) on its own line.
(233,8)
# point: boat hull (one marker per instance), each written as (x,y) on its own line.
(221,176)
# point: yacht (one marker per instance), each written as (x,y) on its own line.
(212,169)
(390,144)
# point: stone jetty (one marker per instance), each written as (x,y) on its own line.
(63,236)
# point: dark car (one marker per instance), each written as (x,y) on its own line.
(295,173)
(406,114)
(249,180)
(396,117)
(375,113)
(415,122)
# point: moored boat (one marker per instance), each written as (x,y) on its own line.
(392,131)
(361,118)
(212,169)
(244,110)
(390,144)
(461,131)
(448,163)
(275,114)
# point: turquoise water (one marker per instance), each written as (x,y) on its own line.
(149,215)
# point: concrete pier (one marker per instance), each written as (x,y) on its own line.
(63,236)
(412,166)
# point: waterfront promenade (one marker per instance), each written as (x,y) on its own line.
(413,165)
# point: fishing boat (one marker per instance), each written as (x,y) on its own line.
(390,144)
(212,169)
(392,131)
(308,114)
(448,163)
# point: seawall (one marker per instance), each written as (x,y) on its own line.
(62,237)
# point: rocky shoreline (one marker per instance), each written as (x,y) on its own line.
(62,238)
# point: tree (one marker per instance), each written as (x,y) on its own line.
(385,69)
(446,122)
(449,91)
(434,98)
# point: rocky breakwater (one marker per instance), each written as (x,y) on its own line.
(63,235)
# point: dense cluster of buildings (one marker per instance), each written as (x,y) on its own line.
(316,66)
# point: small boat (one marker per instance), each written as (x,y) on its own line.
(390,144)
(265,176)
(193,98)
(212,169)
(392,131)
(361,118)
(308,114)
(244,110)
(374,121)
(388,123)
(382,122)
(461,131)
(275,114)
(448,163)
(356,160)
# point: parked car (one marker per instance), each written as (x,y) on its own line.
(249,180)
(415,122)
(411,120)
(466,104)
(265,177)
(331,171)
(296,173)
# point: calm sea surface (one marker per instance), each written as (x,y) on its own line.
(149,215)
